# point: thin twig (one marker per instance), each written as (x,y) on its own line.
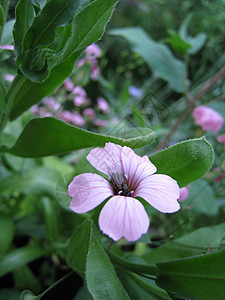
(206,87)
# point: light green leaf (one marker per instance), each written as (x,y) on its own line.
(7,36)
(157,55)
(201,277)
(48,136)
(186,161)
(177,43)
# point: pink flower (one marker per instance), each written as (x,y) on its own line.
(101,123)
(79,100)
(130,176)
(79,91)
(184,193)
(93,51)
(95,72)
(89,112)
(68,84)
(208,118)
(77,119)
(7,47)
(221,139)
(103,105)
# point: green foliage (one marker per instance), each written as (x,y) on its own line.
(56,137)
(157,56)
(200,277)
(186,161)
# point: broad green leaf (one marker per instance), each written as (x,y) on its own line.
(102,281)
(85,30)
(157,55)
(24,17)
(199,278)
(6,233)
(191,244)
(25,279)
(186,161)
(20,257)
(78,247)
(138,287)
(2,18)
(48,136)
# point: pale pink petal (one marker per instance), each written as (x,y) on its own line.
(7,47)
(160,191)
(88,190)
(221,139)
(184,193)
(135,167)
(105,158)
(123,217)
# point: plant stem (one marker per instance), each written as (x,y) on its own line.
(206,87)
(134,267)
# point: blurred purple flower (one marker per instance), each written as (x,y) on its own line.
(77,119)
(184,193)
(101,123)
(79,91)
(135,92)
(9,77)
(93,51)
(103,105)
(7,47)
(68,84)
(89,112)
(79,100)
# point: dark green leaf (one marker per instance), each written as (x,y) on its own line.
(186,161)
(177,43)
(50,218)
(25,279)
(78,247)
(6,233)
(3,106)
(24,17)
(199,278)
(157,56)
(48,136)
(20,257)
(102,281)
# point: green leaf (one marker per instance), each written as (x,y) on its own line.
(2,18)
(177,43)
(24,17)
(3,106)
(19,257)
(186,161)
(7,36)
(50,218)
(102,281)
(6,233)
(201,277)
(157,55)
(85,30)
(48,136)
(78,247)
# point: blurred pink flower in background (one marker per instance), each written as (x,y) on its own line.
(7,47)
(95,72)
(51,103)
(68,84)
(221,139)
(103,105)
(184,193)
(79,100)
(93,51)
(9,77)
(79,91)
(77,119)
(101,123)
(130,176)
(208,118)
(89,112)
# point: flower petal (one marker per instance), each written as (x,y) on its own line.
(136,167)
(161,191)
(123,216)
(88,190)
(104,158)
